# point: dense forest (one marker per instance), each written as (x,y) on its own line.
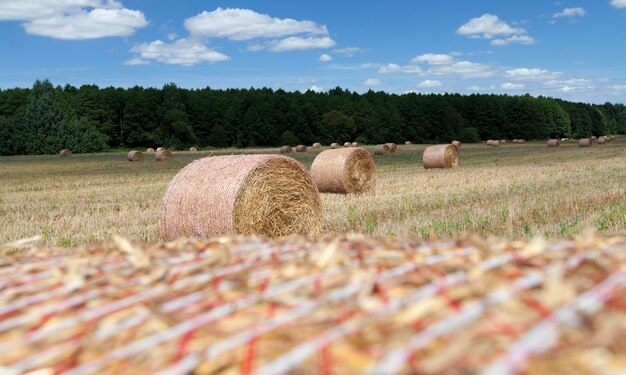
(44,118)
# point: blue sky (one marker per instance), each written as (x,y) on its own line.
(574,50)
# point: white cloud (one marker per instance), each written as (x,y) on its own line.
(182,52)
(74,19)
(136,61)
(297,43)
(512,86)
(618,3)
(395,68)
(429,84)
(463,69)
(571,12)
(325,57)
(245,24)
(433,59)
(172,36)
(487,26)
(515,39)
(481,88)
(531,74)
(315,88)
(372,82)
(349,51)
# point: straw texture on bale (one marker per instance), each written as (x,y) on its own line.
(65,153)
(585,142)
(163,155)
(285,149)
(301,148)
(495,143)
(355,144)
(269,195)
(150,150)
(317,145)
(441,156)
(135,155)
(381,149)
(344,171)
(193,149)
(334,145)
(160,149)
(392,147)
(347,144)
(601,140)
(554,143)
(408,143)
(457,144)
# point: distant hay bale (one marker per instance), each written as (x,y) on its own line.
(269,195)
(601,140)
(495,143)
(594,138)
(334,145)
(347,144)
(489,142)
(65,153)
(554,143)
(285,149)
(354,144)
(163,155)
(408,143)
(502,141)
(317,145)
(515,140)
(193,149)
(392,147)
(160,149)
(381,149)
(150,150)
(134,155)
(564,139)
(585,142)
(456,144)
(344,171)
(521,140)
(441,156)
(301,148)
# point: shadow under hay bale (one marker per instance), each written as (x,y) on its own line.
(456,144)
(270,195)
(381,149)
(285,149)
(134,155)
(585,142)
(344,171)
(554,143)
(301,148)
(163,155)
(441,156)
(392,147)
(65,153)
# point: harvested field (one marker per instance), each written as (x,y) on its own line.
(344,305)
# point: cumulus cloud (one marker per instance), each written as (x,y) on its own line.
(433,59)
(372,82)
(618,3)
(463,69)
(73,19)
(325,57)
(570,12)
(487,26)
(294,43)
(481,88)
(515,39)
(429,84)
(512,86)
(315,88)
(395,68)
(136,61)
(531,74)
(182,52)
(349,51)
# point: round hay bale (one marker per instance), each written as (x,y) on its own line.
(344,171)
(317,145)
(381,149)
(347,144)
(269,195)
(65,153)
(392,147)
(585,142)
(193,149)
(502,141)
(301,148)
(489,142)
(285,149)
(564,139)
(554,143)
(408,143)
(495,143)
(355,144)
(515,140)
(160,149)
(441,156)
(334,145)
(163,155)
(594,138)
(456,144)
(150,150)
(601,140)
(134,155)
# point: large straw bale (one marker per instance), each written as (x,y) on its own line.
(554,142)
(135,155)
(392,147)
(456,144)
(163,155)
(301,148)
(285,149)
(441,156)
(381,149)
(65,153)
(269,195)
(344,171)
(585,142)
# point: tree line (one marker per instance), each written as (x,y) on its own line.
(44,119)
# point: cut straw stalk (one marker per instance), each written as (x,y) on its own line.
(344,171)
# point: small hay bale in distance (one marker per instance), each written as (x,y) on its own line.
(285,149)
(317,145)
(585,142)
(347,144)
(594,138)
(392,147)
(150,150)
(554,142)
(160,149)
(495,143)
(441,156)
(381,149)
(502,141)
(354,144)
(344,171)
(193,149)
(163,155)
(65,153)
(515,140)
(301,148)
(134,155)
(489,142)
(408,143)
(269,195)
(601,140)
(456,144)
(334,145)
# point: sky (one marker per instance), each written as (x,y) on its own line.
(575,50)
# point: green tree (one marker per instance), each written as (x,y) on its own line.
(339,125)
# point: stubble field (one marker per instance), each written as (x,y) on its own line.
(514,191)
